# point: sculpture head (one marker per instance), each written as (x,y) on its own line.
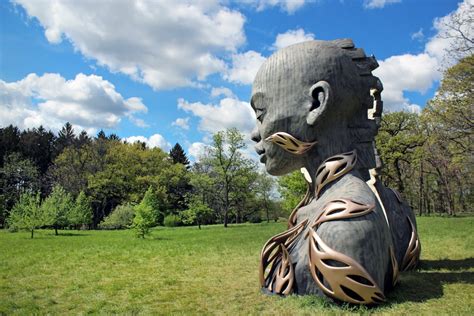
(311,101)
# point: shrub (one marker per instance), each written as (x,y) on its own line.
(172,220)
(120,218)
(145,214)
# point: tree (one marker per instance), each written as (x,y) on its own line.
(264,188)
(17,176)
(226,158)
(178,155)
(27,213)
(81,212)
(145,215)
(121,217)
(197,213)
(57,206)
(292,188)
(66,137)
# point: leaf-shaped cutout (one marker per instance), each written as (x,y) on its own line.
(341,280)
(303,202)
(341,209)
(285,275)
(271,254)
(334,168)
(395,271)
(412,254)
(290,143)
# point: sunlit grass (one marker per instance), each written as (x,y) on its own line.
(208,271)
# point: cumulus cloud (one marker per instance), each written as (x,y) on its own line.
(378,4)
(244,67)
(87,101)
(292,37)
(216,117)
(155,140)
(182,123)
(162,43)
(415,73)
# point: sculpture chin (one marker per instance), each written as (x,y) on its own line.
(278,169)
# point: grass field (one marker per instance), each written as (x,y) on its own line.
(208,271)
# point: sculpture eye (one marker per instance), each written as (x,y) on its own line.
(260,113)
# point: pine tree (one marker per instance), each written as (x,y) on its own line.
(81,213)
(178,155)
(58,206)
(66,137)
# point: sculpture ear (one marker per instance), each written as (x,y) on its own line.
(321,94)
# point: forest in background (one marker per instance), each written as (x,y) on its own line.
(101,181)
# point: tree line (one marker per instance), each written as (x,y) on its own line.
(116,184)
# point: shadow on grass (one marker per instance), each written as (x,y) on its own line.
(70,234)
(452,265)
(419,286)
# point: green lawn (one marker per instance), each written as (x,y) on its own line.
(208,271)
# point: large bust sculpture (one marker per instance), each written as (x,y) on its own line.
(318,109)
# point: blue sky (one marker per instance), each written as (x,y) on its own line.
(177,71)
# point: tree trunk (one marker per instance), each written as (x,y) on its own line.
(56,230)
(226,207)
(32,232)
(420,196)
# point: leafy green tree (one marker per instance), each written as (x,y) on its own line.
(264,188)
(27,213)
(121,217)
(197,213)
(226,159)
(292,188)
(145,215)
(57,206)
(81,212)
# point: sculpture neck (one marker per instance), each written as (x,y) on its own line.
(330,170)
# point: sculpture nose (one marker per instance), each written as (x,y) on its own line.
(255,135)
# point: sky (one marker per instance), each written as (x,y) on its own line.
(167,71)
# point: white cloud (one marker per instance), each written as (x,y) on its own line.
(217,92)
(378,4)
(197,150)
(155,140)
(418,35)
(415,73)
(244,67)
(162,43)
(447,37)
(290,6)
(292,37)
(182,123)
(228,113)
(87,102)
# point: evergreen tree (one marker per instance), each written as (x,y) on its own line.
(66,137)
(178,155)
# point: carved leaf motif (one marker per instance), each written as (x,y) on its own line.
(303,202)
(412,254)
(346,279)
(341,209)
(290,143)
(273,257)
(284,278)
(333,168)
(395,270)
